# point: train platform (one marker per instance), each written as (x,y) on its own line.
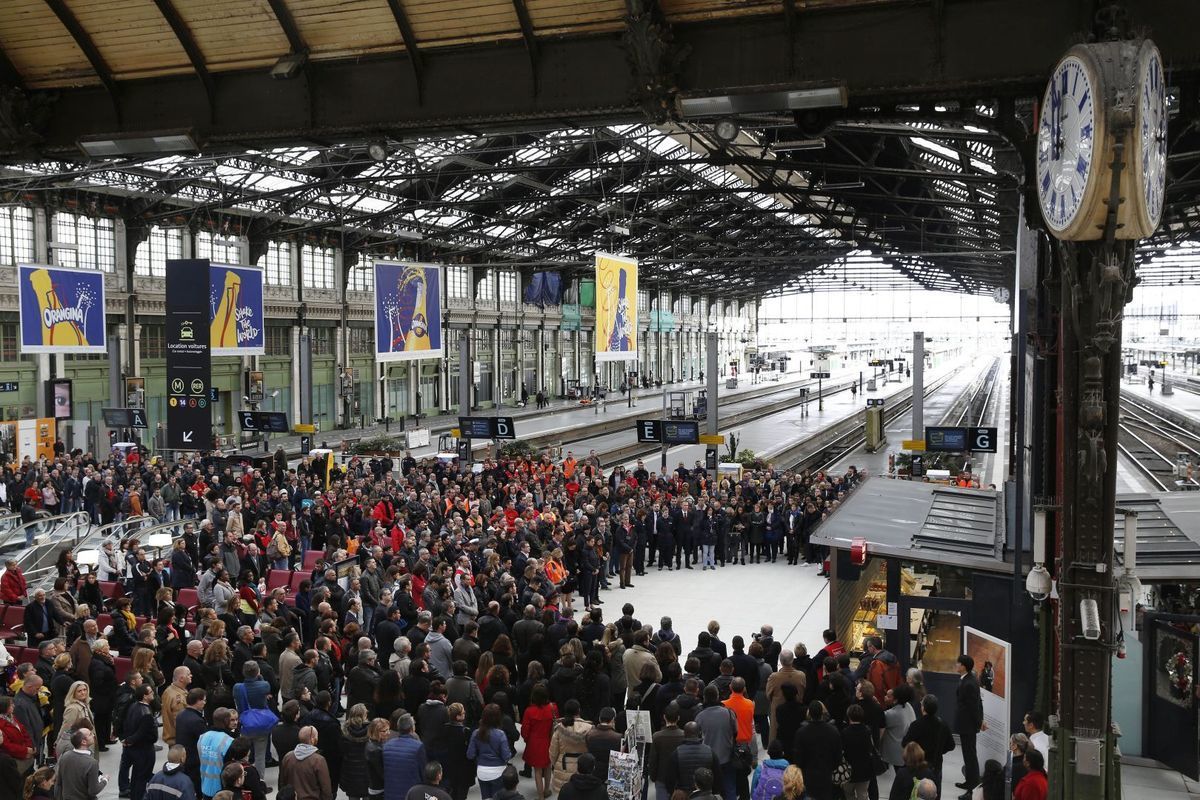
(1181,400)
(561,413)
(937,405)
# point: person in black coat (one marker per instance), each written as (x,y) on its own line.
(39,620)
(817,751)
(933,734)
(189,727)
(857,748)
(102,677)
(329,734)
(665,535)
(353,747)
(968,719)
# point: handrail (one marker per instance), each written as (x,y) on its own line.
(146,530)
(54,522)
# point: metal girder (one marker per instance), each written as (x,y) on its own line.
(188,43)
(531,43)
(288,24)
(883,53)
(410,46)
(85,43)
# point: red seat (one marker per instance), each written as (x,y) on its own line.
(311,557)
(188,598)
(121,666)
(112,589)
(12,622)
(103,621)
(278,577)
(295,581)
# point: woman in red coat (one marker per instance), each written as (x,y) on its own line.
(537,724)
(1033,785)
(12,584)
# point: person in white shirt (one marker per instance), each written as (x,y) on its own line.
(1034,722)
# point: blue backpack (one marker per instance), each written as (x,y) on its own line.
(770,783)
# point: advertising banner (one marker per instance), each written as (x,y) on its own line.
(235,300)
(616,308)
(62,310)
(408,311)
(189,359)
(992,665)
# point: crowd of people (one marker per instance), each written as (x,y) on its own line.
(451,627)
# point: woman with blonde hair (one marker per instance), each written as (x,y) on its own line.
(77,708)
(793,784)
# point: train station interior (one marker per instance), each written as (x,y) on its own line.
(886,311)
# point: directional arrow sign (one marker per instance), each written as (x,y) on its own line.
(187,436)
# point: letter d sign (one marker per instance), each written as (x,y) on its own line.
(502,428)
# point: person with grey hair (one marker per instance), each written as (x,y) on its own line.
(362,680)
(402,657)
(927,790)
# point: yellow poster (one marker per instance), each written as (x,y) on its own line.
(616,308)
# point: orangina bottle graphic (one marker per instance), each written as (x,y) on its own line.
(224,324)
(61,325)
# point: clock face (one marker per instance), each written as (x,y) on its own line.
(1152,139)
(1066,143)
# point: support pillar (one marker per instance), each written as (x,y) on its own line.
(497,372)
(918,385)
(711,424)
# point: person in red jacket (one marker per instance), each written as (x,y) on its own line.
(1033,786)
(17,742)
(13,588)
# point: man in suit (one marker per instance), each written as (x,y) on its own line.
(968,721)
(39,621)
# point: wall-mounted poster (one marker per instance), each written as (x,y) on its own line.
(992,666)
(616,308)
(235,300)
(62,310)
(408,311)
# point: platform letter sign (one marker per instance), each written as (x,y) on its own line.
(408,311)
(502,428)
(649,430)
(982,440)
(62,310)
(189,358)
(235,301)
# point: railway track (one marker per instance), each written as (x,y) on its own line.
(1153,443)
(977,395)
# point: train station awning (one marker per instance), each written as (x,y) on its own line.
(921,522)
(1168,535)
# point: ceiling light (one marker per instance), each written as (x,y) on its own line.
(109,145)
(799,144)
(841,185)
(726,130)
(377,151)
(755,102)
(289,66)
(412,236)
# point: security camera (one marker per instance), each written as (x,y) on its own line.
(1089,619)
(1038,583)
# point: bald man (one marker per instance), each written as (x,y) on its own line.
(174,700)
(305,770)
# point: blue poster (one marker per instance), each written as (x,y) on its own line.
(408,312)
(62,310)
(235,306)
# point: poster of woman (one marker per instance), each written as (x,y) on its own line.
(408,311)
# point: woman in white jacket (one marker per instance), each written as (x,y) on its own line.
(898,716)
